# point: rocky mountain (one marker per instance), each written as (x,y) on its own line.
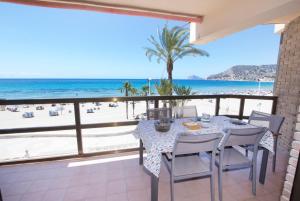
(247,72)
(194,77)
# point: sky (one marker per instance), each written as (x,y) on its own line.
(38,42)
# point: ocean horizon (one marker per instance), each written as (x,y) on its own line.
(37,88)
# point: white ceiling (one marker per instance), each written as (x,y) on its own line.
(194,7)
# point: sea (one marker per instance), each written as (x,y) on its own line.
(86,88)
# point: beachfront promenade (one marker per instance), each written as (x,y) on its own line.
(100,134)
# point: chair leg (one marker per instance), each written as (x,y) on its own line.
(254,174)
(141,152)
(220,174)
(172,188)
(212,187)
(275,153)
(220,188)
(250,174)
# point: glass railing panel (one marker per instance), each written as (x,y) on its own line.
(206,106)
(38,115)
(101,112)
(258,105)
(25,146)
(229,106)
(109,139)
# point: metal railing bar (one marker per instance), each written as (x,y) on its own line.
(67,127)
(217,109)
(65,157)
(36,160)
(241,109)
(36,129)
(78,127)
(274,105)
(65,135)
(130,98)
(109,124)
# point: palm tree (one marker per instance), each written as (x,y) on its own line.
(183,91)
(126,88)
(133,91)
(144,90)
(164,88)
(172,44)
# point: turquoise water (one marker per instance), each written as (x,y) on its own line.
(69,88)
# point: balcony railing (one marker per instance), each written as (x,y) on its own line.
(79,126)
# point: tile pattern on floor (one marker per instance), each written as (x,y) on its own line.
(95,179)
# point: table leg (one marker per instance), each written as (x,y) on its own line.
(154,188)
(263,167)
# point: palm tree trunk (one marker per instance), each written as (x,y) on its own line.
(126,94)
(170,70)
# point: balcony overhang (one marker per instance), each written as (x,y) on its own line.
(242,15)
(98,6)
(210,20)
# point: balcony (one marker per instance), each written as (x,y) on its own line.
(119,177)
(89,159)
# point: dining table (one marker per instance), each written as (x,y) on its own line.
(157,143)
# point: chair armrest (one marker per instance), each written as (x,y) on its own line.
(168,156)
(276,134)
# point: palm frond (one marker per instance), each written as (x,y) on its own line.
(172,44)
(151,52)
(164,87)
(191,52)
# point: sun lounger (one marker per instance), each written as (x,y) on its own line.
(28,115)
(98,104)
(89,111)
(53,113)
(13,109)
(113,105)
(39,108)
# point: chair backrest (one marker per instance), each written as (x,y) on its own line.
(159,113)
(276,122)
(260,119)
(188,143)
(244,136)
(186,112)
(273,122)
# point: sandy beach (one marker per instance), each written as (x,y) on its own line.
(54,143)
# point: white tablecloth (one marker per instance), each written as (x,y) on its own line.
(157,143)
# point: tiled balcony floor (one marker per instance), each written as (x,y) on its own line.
(120,178)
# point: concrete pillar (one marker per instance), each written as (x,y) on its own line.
(287,88)
(287,85)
